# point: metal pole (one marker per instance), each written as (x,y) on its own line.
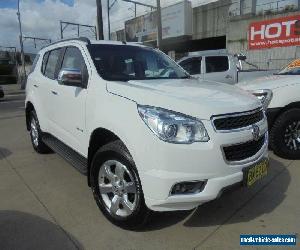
(99,20)
(108,20)
(253,7)
(159,25)
(138,3)
(61,31)
(78,30)
(135,9)
(21,41)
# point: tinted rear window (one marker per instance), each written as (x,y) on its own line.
(192,66)
(216,64)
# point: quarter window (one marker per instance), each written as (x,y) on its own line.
(44,63)
(216,64)
(73,59)
(50,70)
(34,63)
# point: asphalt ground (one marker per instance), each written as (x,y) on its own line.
(46,204)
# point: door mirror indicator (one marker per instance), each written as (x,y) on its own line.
(70,77)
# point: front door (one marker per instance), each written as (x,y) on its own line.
(72,102)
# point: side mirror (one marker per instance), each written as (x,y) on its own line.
(70,77)
(241,57)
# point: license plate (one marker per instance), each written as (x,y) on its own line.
(256,172)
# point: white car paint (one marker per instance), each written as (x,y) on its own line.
(285,88)
(74,113)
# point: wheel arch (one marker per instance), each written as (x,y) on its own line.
(28,109)
(99,137)
(284,109)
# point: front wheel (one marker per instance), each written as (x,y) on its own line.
(116,186)
(285,135)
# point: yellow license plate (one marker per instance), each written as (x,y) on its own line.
(256,172)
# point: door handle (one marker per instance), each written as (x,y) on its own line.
(54,92)
(36,86)
(228,77)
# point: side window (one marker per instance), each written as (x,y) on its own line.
(216,64)
(44,63)
(50,70)
(73,59)
(192,66)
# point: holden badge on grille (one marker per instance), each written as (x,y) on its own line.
(255,132)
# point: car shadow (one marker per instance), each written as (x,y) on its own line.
(249,202)
(4,152)
(26,231)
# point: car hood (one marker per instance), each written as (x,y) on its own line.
(193,97)
(269,82)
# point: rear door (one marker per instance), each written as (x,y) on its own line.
(48,87)
(192,66)
(218,68)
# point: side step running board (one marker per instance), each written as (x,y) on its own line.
(78,161)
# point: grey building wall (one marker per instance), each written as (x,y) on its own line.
(210,20)
(231,18)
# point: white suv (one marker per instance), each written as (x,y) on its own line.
(148,136)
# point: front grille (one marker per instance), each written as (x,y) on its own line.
(238,121)
(243,151)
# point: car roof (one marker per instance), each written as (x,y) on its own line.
(86,41)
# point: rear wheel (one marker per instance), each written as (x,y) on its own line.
(116,186)
(36,135)
(285,135)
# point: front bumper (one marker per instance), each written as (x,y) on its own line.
(213,189)
(166,164)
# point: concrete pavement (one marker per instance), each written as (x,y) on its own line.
(46,204)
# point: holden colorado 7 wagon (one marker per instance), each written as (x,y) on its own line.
(148,136)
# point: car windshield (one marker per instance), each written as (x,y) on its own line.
(125,62)
(293,68)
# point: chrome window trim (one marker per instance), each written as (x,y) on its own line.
(213,118)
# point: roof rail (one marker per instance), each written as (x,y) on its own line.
(83,39)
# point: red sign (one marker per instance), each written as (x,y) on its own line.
(279,32)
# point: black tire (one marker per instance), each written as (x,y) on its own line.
(279,135)
(116,151)
(38,144)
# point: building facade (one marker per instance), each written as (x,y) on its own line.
(266,31)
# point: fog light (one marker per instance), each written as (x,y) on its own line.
(188,187)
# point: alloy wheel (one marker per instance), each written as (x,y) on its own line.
(34,132)
(292,136)
(117,188)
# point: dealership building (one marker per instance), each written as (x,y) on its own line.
(266,31)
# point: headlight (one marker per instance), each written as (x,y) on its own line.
(173,127)
(264,95)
